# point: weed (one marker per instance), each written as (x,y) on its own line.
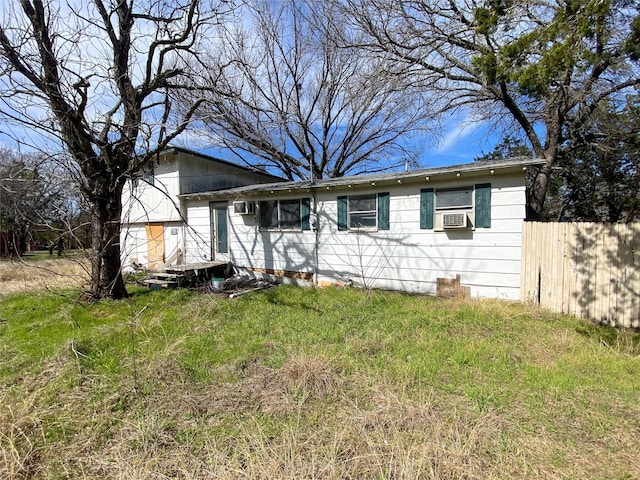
(302,383)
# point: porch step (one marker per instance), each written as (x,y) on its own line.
(158,283)
(181,276)
(167,276)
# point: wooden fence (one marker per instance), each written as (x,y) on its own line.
(587,269)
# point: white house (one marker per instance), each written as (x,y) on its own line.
(155,220)
(400,231)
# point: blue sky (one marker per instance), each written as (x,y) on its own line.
(459,144)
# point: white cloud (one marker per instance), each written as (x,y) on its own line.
(461,129)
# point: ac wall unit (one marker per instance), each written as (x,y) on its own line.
(454,220)
(244,208)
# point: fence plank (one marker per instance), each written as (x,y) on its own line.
(624,300)
(633,274)
(586,269)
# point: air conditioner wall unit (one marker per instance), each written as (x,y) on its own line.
(456,220)
(244,208)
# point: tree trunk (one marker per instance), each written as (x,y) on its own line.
(538,191)
(106,274)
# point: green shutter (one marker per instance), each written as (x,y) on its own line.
(304,213)
(483,205)
(426,208)
(342,213)
(383,211)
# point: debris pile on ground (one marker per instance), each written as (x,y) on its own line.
(237,285)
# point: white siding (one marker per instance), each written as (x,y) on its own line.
(133,241)
(135,246)
(177,173)
(404,257)
(157,202)
(198,232)
(408,258)
(282,250)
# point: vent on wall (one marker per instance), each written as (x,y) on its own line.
(244,208)
(454,220)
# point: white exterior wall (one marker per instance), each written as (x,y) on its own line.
(282,250)
(154,203)
(133,239)
(249,247)
(404,257)
(176,173)
(198,232)
(158,204)
(408,258)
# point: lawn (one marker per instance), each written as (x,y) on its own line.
(311,383)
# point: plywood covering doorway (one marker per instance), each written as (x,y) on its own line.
(155,245)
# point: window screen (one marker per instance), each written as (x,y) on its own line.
(362,211)
(454,198)
(290,214)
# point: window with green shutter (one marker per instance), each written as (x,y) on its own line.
(363,212)
(458,207)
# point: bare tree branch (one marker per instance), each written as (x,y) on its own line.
(293,98)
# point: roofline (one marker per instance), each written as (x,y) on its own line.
(176,149)
(427,175)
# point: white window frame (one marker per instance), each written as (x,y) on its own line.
(467,209)
(465,206)
(374,196)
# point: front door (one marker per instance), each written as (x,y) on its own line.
(219,231)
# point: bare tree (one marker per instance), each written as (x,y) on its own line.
(540,68)
(33,200)
(96,79)
(284,94)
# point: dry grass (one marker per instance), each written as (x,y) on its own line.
(185,431)
(307,384)
(18,276)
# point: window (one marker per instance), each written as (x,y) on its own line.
(146,173)
(454,198)
(475,200)
(284,214)
(364,212)
(290,214)
(269,214)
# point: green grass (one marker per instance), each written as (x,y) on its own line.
(304,383)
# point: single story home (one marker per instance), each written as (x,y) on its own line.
(401,231)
